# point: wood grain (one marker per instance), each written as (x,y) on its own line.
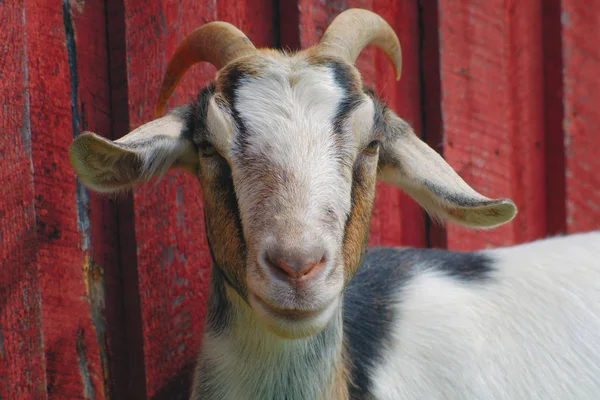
(22,360)
(581,58)
(72,288)
(171,251)
(492,110)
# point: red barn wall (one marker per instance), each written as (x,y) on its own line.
(105,298)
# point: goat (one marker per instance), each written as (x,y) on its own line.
(287,148)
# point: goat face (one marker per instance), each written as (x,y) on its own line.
(287,150)
(290,141)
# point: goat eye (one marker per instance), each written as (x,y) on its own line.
(207,149)
(373,147)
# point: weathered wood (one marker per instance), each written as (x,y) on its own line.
(172,255)
(401,220)
(581,58)
(396,218)
(554,114)
(492,107)
(71,275)
(431,110)
(22,361)
(102,276)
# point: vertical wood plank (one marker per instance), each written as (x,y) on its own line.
(173,259)
(581,57)
(401,219)
(492,109)
(99,215)
(71,276)
(396,218)
(430,99)
(22,361)
(554,113)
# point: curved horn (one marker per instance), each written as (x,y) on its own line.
(217,42)
(353,30)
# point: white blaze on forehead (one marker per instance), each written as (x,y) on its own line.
(289,120)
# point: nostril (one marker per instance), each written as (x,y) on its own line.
(295,263)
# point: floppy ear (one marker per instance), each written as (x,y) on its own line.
(152,149)
(409,163)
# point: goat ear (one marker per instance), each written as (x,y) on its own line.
(409,163)
(150,150)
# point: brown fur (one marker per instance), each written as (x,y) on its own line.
(357,227)
(223,228)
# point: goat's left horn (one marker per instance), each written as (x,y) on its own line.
(217,42)
(353,30)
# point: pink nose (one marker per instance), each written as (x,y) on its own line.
(297,263)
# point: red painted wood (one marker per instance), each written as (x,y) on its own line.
(69,272)
(492,108)
(581,25)
(401,220)
(556,208)
(103,276)
(172,254)
(431,99)
(22,361)
(396,218)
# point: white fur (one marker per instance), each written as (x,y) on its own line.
(300,174)
(248,362)
(531,333)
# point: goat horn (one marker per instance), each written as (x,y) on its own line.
(353,30)
(217,42)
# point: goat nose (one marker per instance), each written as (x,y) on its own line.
(296,263)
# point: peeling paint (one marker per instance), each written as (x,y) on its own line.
(93,275)
(86,379)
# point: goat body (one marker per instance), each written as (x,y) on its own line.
(287,149)
(519,322)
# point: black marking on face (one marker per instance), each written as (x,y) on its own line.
(370,300)
(353,96)
(229,87)
(195,114)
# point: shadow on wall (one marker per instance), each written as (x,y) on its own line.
(178,387)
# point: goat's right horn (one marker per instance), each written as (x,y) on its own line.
(353,30)
(216,42)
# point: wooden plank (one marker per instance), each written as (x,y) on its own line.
(22,361)
(431,99)
(396,218)
(554,113)
(72,325)
(401,220)
(492,108)
(169,231)
(581,22)
(100,226)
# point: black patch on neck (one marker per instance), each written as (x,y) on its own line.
(369,313)
(371,301)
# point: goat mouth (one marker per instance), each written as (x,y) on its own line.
(286,313)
